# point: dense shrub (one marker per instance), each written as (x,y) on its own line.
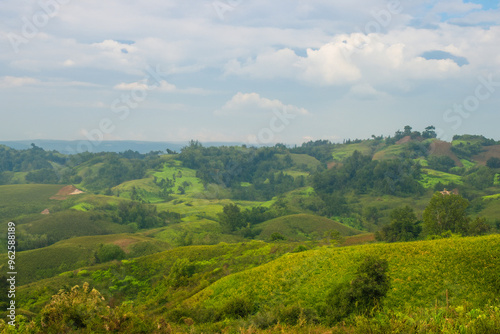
(238,307)
(109,252)
(363,294)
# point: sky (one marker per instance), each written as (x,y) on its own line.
(249,71)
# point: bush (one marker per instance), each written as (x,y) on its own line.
(109,252)
(238,307)
(442,163)
(493,162)
(180,272)
(363,294)
(300,248)
(276,236)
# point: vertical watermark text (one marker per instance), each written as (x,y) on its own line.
(11,265)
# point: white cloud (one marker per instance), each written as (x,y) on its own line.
(16,82)
(365,91)
(10,82)
(164,86)
(326,66)
(249,104)
(391,58)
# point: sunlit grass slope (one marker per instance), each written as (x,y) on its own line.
(421,272)
(210,262)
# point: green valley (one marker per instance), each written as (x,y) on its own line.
(388,234)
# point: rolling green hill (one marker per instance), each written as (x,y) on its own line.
(151,273)
(184,228)
(23,199)
(198,232)
(420,272)
(37,264)
(343,151)
(69,224)
(301,227)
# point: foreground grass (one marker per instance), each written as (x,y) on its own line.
(421,273)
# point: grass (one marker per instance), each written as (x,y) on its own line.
(24,199)
(301,227)
(489,152)
(37,264)
(149,192)
(189,207)
(201,232)
(423,162)
(14,177)
(390,152)
(295,173)
(420,272)
(70,223)
(496,196)
(183,174)
(271,275)
(146,189)
(492,207)
(305,161)
(468,164)
(386,203)
(211,263)
(431,177)
(344,151)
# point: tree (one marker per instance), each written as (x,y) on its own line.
(371,214)
(446,213)
(231,218)
(44,176)
(430,132)
(407,130)
(403,227)
(442,163)
(493,162)
(169,151)
(478,226)
(482,178)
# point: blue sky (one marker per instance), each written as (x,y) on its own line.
(250,71)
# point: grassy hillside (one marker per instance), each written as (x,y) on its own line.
(441,148)
(201,232)
(390,152)
(489,152)
(70,223)
(301,227)
(304,162)
(75,253)
(432,177)
(492,207)
(341,152)
(420,272)
(23,199)
(147,279)
(148,189)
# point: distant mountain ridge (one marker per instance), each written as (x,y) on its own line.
(74,146)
